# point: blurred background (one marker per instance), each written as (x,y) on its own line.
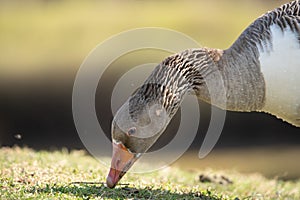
(44,42)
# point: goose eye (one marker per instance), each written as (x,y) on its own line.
(158,112)
(131,131)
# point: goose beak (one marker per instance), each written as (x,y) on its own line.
(122,160)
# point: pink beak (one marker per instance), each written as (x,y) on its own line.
(122,160)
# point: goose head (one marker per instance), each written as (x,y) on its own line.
(135,128)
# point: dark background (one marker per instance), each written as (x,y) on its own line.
(42,115)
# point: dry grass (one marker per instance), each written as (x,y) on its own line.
(26,174)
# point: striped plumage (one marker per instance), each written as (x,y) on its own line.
(259,72)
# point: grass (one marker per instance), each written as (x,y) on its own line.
(27,174)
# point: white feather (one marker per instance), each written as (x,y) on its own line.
(281,71)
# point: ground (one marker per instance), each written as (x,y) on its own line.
(29,174)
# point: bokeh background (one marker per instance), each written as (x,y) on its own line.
(44,42)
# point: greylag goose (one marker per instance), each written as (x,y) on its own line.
(259,72)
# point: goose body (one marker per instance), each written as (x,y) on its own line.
(259,72)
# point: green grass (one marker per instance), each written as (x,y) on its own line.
(27,174)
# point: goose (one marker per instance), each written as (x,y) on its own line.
(259,72)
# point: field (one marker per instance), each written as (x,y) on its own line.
(28,174)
